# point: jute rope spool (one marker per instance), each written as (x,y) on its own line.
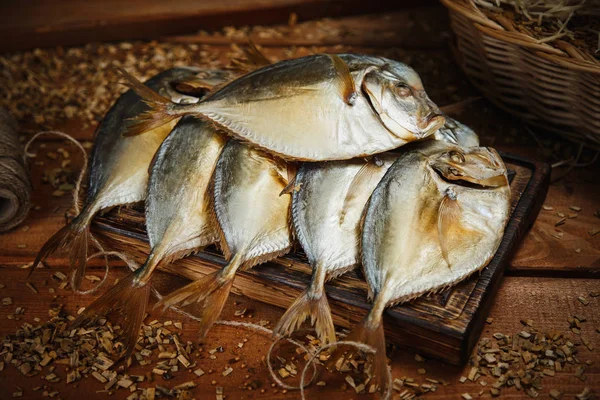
(15,184)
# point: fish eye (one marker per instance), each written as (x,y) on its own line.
(402,89)
(457,157)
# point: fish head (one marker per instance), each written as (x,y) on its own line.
(396,93)
(481,166)
(457,133)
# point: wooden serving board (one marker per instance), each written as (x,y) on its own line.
(444,326)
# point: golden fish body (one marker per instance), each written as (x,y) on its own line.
(426,229)
(179,215)
(253,216)
(254,225)
(327,207)
(404,222)
(319,107)
(179,219)
(119,165)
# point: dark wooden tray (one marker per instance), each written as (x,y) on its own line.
(445,325)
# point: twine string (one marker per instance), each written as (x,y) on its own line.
(76,207)
(15,183)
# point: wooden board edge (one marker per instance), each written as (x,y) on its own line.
(523,218)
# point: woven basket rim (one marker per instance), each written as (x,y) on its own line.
(497,31)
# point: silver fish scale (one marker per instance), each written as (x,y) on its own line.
(178,203)
(329,233)
(252,215)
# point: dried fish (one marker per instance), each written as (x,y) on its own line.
(436,217)
(179,218)
(254,225)
(327,206)
(116,177)
(316,108)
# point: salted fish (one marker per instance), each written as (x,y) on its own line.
(437,216)
(315,108)
(179,219)
(254,224)
(118,172)
(327,205)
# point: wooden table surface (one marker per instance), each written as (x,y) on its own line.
(543,282)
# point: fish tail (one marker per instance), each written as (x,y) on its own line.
(369,332)
(129,297)
(205,297)
(74,237)
(308,305)
(162,110)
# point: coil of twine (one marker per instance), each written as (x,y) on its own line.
(15,183)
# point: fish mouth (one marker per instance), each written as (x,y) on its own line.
(491,182)
(471,182)
(431,123)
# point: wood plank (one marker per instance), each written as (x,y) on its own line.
(577,252)
(42,23)
(549,302)
(409,29)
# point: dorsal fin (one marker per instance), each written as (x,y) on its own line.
(345,80)
(255,55)
(448,213)
(253,58)
(292,172)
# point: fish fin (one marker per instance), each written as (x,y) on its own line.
(366,172)
(292,171)
(256,56)
(222,241)
(291,187)
(371,336)
(448,212)
(305,306)
(253,58)
(160,112)
(210,291)
(345,79)
(279,176)
(128,300)
(263,258)
(74,237)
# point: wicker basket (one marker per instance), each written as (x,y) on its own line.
(553,87)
